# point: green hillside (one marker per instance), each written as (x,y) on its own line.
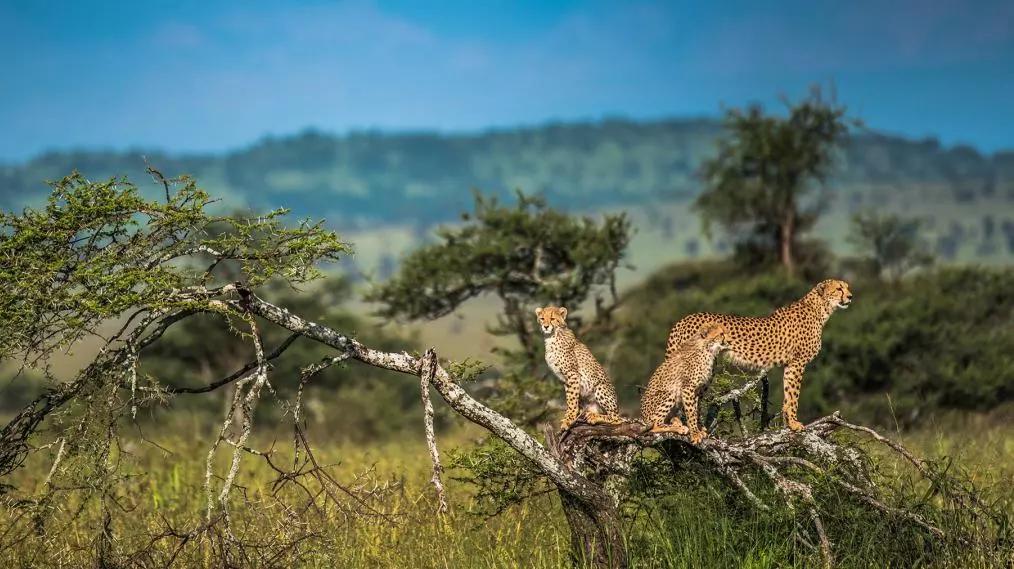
(367,182)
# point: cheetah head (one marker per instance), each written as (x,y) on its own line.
(835,293)
(715,337)
(551,318)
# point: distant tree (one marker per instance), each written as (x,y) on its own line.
(755,186)
(890,242)
(387,266)
(526,255)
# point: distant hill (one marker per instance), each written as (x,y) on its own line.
(364,180)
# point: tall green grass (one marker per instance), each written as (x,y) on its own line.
(693,525)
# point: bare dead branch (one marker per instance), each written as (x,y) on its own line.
(248,403)
(737,393)
(825,544)
(427,369)
(56,463)
(241,372)
(770,454)
(158,177)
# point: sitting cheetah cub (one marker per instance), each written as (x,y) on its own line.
(683,376)
(590,393)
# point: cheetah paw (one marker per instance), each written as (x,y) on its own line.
(599,419)
(678,429)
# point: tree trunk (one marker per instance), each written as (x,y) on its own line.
(596,534)
(786,238)
(596,537)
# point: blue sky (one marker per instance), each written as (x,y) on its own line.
(214,75)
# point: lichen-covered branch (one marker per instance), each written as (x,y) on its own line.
(452,393)
(427,368)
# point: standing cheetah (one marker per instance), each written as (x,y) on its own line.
(589,390)
(790,337)
(683,376)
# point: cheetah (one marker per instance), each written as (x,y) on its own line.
(683,376)
(590,392)
(790,337)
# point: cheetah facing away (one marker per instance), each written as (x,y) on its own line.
(790,337)
(590,393)
(683,376)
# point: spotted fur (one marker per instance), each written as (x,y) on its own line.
(590,393)
(790,337)
(683,377)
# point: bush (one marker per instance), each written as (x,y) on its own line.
(936,341)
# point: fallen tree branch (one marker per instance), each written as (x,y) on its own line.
(771,454)
(825,543)
(453,394)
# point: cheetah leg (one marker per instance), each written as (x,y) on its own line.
(605,397)
(659,414)
(573,387)
(790,404)
(603,418)
(697,432)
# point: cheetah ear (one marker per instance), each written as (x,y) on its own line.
(563,313)
(538,311)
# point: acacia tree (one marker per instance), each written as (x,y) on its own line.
(99,251)
(756,185)
(526,255)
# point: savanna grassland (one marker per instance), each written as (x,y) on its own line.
(164,487)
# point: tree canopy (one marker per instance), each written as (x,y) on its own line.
(99,249)
(766,166)
(525,254)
